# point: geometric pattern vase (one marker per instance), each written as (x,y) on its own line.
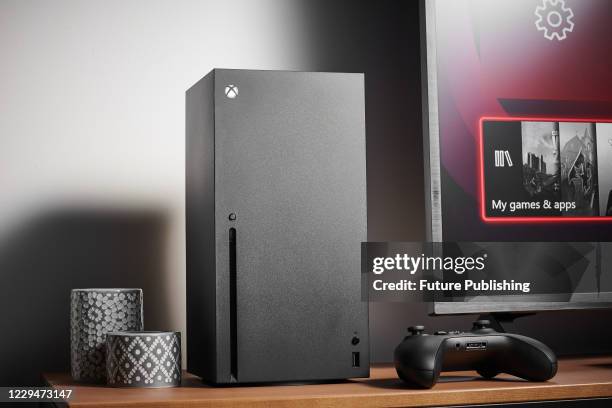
(143,359)
(94,313)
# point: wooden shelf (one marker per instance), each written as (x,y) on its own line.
(577,378)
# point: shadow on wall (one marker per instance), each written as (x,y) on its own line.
(56,252)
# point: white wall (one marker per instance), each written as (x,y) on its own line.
(92,105)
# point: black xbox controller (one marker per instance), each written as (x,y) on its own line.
(420,358)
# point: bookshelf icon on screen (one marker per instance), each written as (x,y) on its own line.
(502,158)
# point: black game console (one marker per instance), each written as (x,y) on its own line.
(276,214)
(420,357)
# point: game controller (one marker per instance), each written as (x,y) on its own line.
(420,357)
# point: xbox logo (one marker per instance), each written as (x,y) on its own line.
(231,91)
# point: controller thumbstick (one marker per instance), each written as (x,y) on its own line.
(481,324)
(416,330)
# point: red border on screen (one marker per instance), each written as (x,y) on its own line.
(481,184)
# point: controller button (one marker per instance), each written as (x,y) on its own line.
(416,330)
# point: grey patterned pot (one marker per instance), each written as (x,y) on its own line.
(93,313)
(143,359)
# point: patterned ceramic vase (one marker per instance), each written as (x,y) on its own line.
(93,313)
(143,359)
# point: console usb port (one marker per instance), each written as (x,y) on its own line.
(356,362)
(476,345)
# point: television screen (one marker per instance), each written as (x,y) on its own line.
(518,133)
(524,104)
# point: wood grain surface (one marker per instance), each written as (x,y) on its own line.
(586,377)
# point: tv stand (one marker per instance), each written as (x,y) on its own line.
(584,382)
(500,320)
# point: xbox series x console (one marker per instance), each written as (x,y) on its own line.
(276,213)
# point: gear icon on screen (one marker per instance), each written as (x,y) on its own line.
(554,19)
